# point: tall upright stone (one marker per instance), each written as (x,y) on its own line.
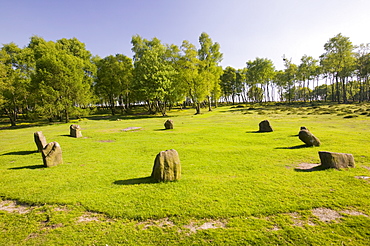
(40,140)
(264,126)
(308,138)
(336,160)
(52,154)
(168,124)
(75,131)
(167,166)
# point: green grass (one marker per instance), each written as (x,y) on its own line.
(243,182)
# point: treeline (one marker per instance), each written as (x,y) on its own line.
(55,80)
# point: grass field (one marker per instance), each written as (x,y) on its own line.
(238,186)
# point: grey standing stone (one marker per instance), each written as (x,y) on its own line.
(75,131)
(40,140)
(264,126)
(168,124)
(308,138)
(52,154)
(336,160)
(167,166)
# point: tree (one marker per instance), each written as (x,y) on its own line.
(209,70)
(290,77)
(281,82)
(228,80)
(190,74)
(255,93)
(261,71)
(153,73)
(339,60)
(15,71)
(62,78)
(363,71)
(306,71)
(114,80)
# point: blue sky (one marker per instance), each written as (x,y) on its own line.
(244,29)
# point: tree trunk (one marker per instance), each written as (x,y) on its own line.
(197,108)
(67,115)
(209,103)
(344,90)
(12,117)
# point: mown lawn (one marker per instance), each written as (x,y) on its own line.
(238,186)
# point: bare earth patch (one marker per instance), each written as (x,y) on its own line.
(307,166)
(213,224)
(275,228)
(298,221)
(62,209)
(131,129)
(353,213)
(326,214)
(88,217)
(165,222)
(368,168)
(362,177)
(13,207)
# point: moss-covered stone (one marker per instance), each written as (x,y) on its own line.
(336,160)
(168,124)
(52,154)
(167,166)
(264,126)
(308,138)
(75,131)
(40,140)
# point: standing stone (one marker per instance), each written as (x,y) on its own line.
(40,140)
(265,126)
(168,124)
(52,154)
(308,138)
(336,160)
(166,166)
(75,131)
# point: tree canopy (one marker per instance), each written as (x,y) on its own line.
(56,79)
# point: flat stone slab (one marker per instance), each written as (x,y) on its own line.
(132,128)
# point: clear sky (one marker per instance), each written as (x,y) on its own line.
(245,29)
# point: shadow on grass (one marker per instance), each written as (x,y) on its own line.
(27,167)
(255,132)
(21,152)
(295,147)
(312,169)
(161,130)
(145,180)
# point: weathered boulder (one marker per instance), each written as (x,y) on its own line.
(52,154)
(168,124)
(308,138)
(264,126)
(75,131)
(304,128)
(40,140)
(336,160)
(167,166)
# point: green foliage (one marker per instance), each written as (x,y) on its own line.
(15,74)
(154,74)
(261,72)
(241,182)
(60,80)
(114,82)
